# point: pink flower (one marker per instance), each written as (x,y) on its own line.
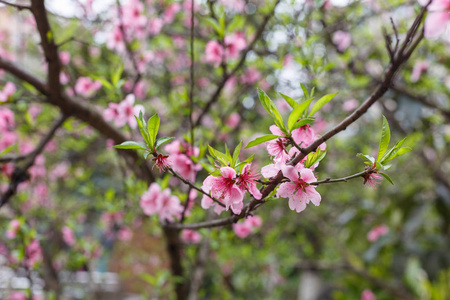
(162,202)
(242,230)
(6,119)
(224,188)
(184,166)
(277,148)
(86,87)
(150,203)
(233,120)
(34,253)
(64,56)
(419,68)
(13,229)
(7,139)
(214,53)
(68,236)
(115,40)
(190,236)
(125,234)
(298,190)
(250,76)
(162,162)
(255,221)
(342,40)
(17,296)
(247,181)
(438,17)
(234,44)
(377,232)
(8,90)
(236,5)
(155,25)
(304,136)
(245,228)
(170,12)
(112,113)
(372,179)
(367,295)
(127,111)
(170,206)
(64,78)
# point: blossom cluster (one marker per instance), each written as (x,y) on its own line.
(123,113)
(298,189)
(229,189)
(161,202)
(247,227)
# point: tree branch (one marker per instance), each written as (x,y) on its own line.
(18,6)
(21,174)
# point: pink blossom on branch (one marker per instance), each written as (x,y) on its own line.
(248,226)
(155,201)
(342,40)
(87,87)
(224,188)
(214,53)
(8,90)
(190,236)
(419,68)
(68,236)
(438,18)
(298,190)
(13,229)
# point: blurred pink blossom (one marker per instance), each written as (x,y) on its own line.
(87,87)
(367,295)
(377,232)
(190,236)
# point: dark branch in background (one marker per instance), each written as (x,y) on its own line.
(18,6)
(241,62)
(402,55)
(21,174)
(128,49)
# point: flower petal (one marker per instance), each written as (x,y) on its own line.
(290,172)
(228,172)
(307,175)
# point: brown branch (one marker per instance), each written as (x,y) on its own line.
(241,62)
(79,110)
(18,6)
(343,179)
(21,174)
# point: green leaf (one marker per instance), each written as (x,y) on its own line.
(387,177)
(385,138)
(153,127)
(162,141)
(289,100)
(297,113)
(303,122)
(236,152)
(143,131)
(401,151)
(388,155)
(261,139)
(315,157)
(272,109)
(305,91)
(6,150)
(131,145)
(116,75)
(227,153)
(213,23)
(236,24)
(221,157)
(321,102)
(104,82)
(365,156)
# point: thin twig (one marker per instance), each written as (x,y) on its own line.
(20,174)
(18,6)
